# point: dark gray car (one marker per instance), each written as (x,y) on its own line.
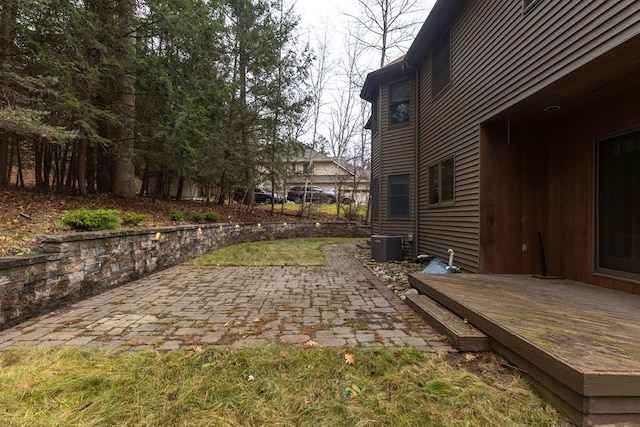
(314,193)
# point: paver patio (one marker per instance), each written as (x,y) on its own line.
(184,307)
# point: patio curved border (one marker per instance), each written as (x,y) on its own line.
(75,266)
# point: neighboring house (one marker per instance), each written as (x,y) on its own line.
(506,119)
(314,168)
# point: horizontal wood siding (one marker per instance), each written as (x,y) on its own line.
(500,57)
(397,153)
(375,173)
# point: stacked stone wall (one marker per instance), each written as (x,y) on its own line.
(74,266)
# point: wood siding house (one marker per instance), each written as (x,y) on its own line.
(524,121)
(330,173)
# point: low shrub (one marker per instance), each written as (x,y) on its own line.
(212,216)
(201,218)
(132,218)
(87,219)
(176,215)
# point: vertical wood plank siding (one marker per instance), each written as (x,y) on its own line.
(501,55)
(397,158)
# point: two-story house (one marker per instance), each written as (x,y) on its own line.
(315,168)
(510,123)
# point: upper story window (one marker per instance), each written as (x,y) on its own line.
(441,182)
(441,65)
(399,108)
(307,168)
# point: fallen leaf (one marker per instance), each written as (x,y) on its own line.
(27,385)
(84,406)
(257,320)
(251,378)
(469,357)
(349,359)
(311,343)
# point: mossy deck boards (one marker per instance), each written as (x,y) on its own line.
(579,343)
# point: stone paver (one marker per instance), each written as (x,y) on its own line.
(186,307)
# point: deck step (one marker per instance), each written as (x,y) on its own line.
(463,335)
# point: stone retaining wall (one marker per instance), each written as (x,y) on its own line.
(78,265)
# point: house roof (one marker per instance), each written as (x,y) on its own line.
(315,156)
(439,19)
(370,88)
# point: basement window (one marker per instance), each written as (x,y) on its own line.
(619,205)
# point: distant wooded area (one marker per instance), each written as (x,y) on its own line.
(94,93)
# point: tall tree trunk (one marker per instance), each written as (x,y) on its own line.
(91,168)
(5,169)
(7,21)
(63,165)
(223,187)
(19,177)
(123,167)
(180,188)
(103,171)
(37,148)
(81,165)
(245,137)
(46,166)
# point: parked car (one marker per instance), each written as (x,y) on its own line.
(314,194)
(260,196)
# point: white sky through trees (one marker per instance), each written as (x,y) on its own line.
(315,17)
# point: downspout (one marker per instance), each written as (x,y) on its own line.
(416,163)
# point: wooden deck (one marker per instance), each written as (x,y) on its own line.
(579,343)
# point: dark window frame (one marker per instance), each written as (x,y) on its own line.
(617,245)
(308,168)
(442,182)
(375,126)
(399,202)
(441,65)
(375,198)
(397,115)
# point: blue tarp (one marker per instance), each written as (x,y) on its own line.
(436,266)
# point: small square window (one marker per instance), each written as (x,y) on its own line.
(442,182)
(399,107)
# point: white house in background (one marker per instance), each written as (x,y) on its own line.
(330,173)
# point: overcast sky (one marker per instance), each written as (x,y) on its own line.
(316,15)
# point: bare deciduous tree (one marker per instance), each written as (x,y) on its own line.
(389,24)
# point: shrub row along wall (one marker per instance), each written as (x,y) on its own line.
(78,265)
